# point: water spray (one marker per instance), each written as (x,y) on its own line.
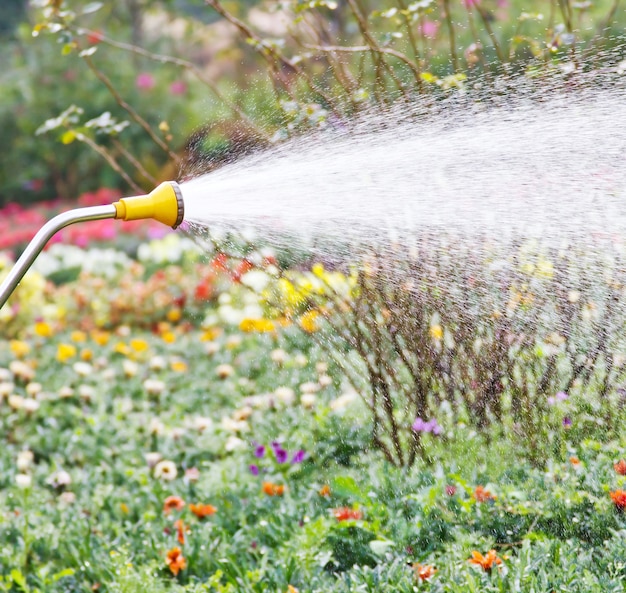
(164,204)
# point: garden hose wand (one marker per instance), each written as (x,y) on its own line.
(164,203)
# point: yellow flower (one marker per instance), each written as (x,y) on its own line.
(168,337)
(308,322)
(210,334)
(174,315)
(100,337)
(78,336)
(86,354)
(179,366)
(256,325)
(43,329)
(436,332)
(121,348)
(19,348)
(139,345)
(65,352)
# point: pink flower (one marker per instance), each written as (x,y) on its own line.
(471,3)
(178,87)
(429,28)
(145,81)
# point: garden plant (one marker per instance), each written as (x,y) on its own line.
(181,412)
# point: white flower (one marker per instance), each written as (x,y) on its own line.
(86,392)
(301,360)
(242,413)
(211,348)
(16,402)
(24,460)
(154,386)
(279,356)
(6,388)
(325,380)
(130,367)
(308,400)
(285,394)
(224,370)
(157,363)
(82,369)
(234,425)
(156,427)
(257,280)
(60,479)
(165,470)
(33,389)
(30,405)
(309,387)
(67,497)
(201,423)
(233,443)
(66,391)
(177,432)
(5,375)
(343,401)
(23,481)
(21,370)
(152,459)
(109,374)
(321,367)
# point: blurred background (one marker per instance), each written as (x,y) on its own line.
(163,89)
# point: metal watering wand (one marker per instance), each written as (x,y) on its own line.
(164,203)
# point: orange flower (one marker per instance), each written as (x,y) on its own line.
(175,560)
(180,531)
(487,561)
(620,467)
(324,490)
(273,489)
(483,495)
(202,510)
(346,514)
(574,460)
(292,589)
(423,572)
(619,499)
(173,503)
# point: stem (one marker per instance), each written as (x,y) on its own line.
(453,54)
(130,110)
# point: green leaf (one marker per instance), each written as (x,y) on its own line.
(346,486)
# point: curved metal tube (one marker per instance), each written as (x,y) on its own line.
(44,234)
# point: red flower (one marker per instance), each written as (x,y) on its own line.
(619,499)
(347,514)
(173,503)
(94,37)
(620,467)
(486,562)
(483,495)
(202,510)
(175,560)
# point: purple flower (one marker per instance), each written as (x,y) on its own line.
(419,425)
(567,422)
(561,396)
(254,469)
(259,451)
(431,426)
(281,455)
(298,456)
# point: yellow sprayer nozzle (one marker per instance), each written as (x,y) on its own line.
(164,203)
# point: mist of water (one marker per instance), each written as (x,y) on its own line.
(551,167)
